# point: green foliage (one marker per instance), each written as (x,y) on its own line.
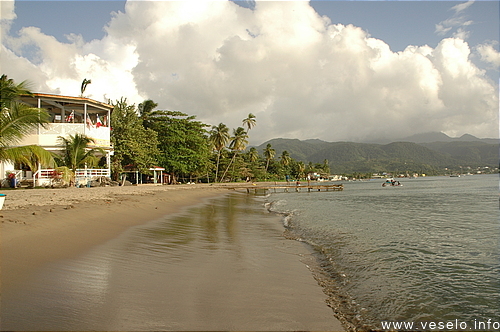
(183,143)
(250,121)
(238,143)
(18,120)
(133,144)
(10,91)
(269,154)
(219,137)
(76,154)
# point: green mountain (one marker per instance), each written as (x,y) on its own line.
(476,153)
(299,150)
(349,157)
(431,137)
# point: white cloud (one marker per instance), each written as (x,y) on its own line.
(458,21)
(462,6)
(489,54)
(61,67)
(302,76)
(7,11)
(7,15)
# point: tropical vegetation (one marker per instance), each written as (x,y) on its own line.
(18,120)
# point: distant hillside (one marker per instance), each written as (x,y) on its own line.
(472,152)
(431,137)
(299,150)
(346,157)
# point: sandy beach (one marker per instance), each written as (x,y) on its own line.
(66,222)
(40,227)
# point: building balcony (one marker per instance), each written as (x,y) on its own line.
(48,137)
(70,116)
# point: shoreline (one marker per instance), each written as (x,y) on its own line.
(41,227)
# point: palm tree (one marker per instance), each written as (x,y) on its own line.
(326,167)
(250,121)
(145,110)
(77,154)
(219,137)
(85,82)
(285,158)
(301,169)
(18,120)
(10,91)
(253,155)
(269,154)
(238,143)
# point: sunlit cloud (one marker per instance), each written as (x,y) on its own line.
(302,75)
(489,54)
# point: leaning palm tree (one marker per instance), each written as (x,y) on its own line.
(250,121)
(269,154)
(238,143)
(219,137)
(76,152)
(18,120)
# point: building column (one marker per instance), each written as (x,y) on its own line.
(85,118)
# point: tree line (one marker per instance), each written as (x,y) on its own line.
(143,137)
(192,151)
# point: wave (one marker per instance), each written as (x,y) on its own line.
(323,269)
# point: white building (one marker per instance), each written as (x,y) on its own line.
(68,116)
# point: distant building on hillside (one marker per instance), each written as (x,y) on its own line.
(68,116)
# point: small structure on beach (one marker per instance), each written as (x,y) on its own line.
(132,174)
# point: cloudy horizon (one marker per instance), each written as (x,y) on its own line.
(303,75)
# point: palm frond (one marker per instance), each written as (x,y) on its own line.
(30,155)
(18,121)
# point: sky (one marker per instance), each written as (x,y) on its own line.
(332,70)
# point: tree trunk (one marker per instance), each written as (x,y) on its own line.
(232,159)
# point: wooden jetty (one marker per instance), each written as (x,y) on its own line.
(294,187)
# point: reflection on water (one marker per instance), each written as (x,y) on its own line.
(126,283)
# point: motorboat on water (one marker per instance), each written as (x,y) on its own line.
(392,183)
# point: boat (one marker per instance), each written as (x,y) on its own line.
(392,183)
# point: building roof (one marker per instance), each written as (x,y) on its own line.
(68,102)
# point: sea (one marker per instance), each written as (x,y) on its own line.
(426,252)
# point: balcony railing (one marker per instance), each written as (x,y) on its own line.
(48,177)
(49,136)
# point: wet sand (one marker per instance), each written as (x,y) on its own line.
(42,227)
(39,226)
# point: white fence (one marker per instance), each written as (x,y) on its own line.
(48,177)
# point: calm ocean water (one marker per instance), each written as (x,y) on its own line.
(427,251)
